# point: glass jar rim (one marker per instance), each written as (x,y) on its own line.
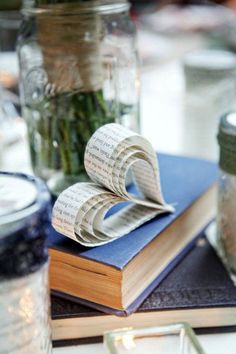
(20,217)
(77,9)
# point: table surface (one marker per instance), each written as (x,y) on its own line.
(171,128)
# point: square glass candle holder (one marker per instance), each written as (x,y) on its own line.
(176,338)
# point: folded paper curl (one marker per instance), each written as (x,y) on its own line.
(80,210)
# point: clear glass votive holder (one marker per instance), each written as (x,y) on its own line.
(174,338)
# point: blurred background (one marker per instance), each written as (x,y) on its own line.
(188,76)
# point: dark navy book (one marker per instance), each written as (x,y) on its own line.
(118,276)
(198,290)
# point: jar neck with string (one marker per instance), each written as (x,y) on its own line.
(70,35)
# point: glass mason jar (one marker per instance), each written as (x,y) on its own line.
(79,71)
(24,299)
(226,218)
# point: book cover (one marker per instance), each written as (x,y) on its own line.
(184,181)
(198,291)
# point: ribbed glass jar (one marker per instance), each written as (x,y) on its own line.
(24,299)
(226,219)
(79,71)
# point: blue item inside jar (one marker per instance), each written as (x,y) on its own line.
(23,240)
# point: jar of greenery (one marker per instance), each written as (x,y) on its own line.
(78,71)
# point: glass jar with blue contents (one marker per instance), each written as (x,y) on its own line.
(24,301)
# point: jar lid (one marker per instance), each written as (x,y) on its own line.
(25,209)
(227,142)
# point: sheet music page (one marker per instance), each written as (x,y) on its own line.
(111,152)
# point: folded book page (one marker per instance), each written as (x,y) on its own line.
(111,152)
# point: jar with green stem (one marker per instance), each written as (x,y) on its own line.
(78,71)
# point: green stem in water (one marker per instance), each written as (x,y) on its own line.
(66,127)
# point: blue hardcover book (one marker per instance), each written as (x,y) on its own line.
(118,276)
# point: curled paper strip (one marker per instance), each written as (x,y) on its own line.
(80,210)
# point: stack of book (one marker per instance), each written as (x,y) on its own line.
(164,271)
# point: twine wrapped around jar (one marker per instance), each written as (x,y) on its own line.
(71,47)
(227,190)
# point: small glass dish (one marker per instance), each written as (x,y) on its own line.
(174,338)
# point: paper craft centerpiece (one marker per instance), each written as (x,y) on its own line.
(80,210)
